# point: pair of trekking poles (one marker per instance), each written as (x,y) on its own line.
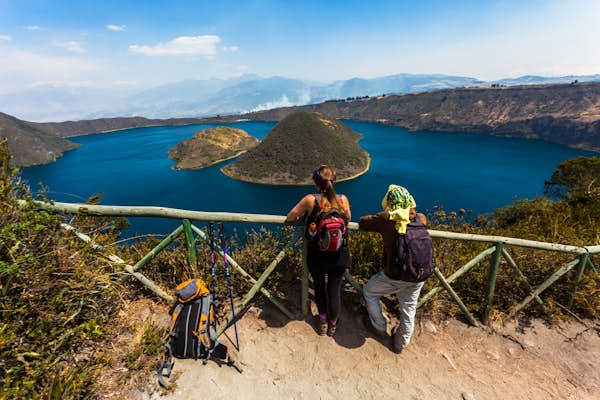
(211,241)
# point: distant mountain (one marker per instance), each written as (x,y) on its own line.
(292,149)
(210,146)
(567,114)
(31,145)
(543,80)
(201,98)
(564,114)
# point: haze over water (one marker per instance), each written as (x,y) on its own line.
(455,170)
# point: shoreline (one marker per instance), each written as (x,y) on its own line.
(209,165)
(307,183)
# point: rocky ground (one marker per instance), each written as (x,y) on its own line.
(285,359)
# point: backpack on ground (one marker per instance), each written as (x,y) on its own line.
(192,332)
(328,231)
(412,260)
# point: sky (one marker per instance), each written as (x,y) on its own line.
(137,44)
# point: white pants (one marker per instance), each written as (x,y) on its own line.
(407,294)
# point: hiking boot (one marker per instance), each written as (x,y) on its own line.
(377,333)
(321,327)
(331,329)
(396,347)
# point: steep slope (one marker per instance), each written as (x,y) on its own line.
(211,146)
(29,144)
(291,150)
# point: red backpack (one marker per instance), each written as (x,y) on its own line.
(328,231)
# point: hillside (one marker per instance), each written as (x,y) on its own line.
(211,146)
(565,114)
(86,127)
(292,149)
(29,144)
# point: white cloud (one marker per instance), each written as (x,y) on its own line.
(33,28)
(115,28)
(184,45)
(20,69)
(230,49)
(5,38)
(70,45)
(60,84)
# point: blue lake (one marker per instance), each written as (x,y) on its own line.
(454,170)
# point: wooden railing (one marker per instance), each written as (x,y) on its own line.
(581,256)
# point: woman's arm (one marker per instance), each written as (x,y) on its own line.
(346,203)
(303,207)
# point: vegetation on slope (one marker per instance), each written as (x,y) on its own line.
(73,326)
(292,149)
(211,146)
(29,144)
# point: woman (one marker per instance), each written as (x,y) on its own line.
(326,268)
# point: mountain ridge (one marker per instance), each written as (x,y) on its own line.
(246,93)
(567,114)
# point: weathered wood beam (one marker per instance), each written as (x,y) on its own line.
(251,293)
(457,299)
(524,279)
(457,274)
(245,274)
(545,285)
(128,268)
(164,243)
(174,213)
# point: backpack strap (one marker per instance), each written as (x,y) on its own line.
(166,363)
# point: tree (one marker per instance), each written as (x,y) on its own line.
(575,178)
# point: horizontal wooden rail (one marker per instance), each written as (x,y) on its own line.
(175,213)
(497,252)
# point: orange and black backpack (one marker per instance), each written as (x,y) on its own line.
(192,332)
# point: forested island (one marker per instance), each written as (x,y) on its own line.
(211,146)
(292,149)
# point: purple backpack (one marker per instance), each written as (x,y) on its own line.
(412,260)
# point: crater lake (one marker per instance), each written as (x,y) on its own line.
(477,173)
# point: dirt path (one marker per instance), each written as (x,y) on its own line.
(288,360)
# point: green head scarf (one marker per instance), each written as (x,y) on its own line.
(398,202)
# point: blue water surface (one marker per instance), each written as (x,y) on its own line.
(455,170)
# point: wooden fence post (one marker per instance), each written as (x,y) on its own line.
(493,272)
(190,244)
(583,261)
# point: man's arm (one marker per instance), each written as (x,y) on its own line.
(371,223)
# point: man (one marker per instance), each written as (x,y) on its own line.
(399,209)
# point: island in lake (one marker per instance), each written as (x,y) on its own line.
(295,146)
(211,146)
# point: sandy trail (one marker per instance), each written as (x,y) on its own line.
(288,360)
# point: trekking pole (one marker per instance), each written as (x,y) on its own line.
(211,244)
(226,264)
